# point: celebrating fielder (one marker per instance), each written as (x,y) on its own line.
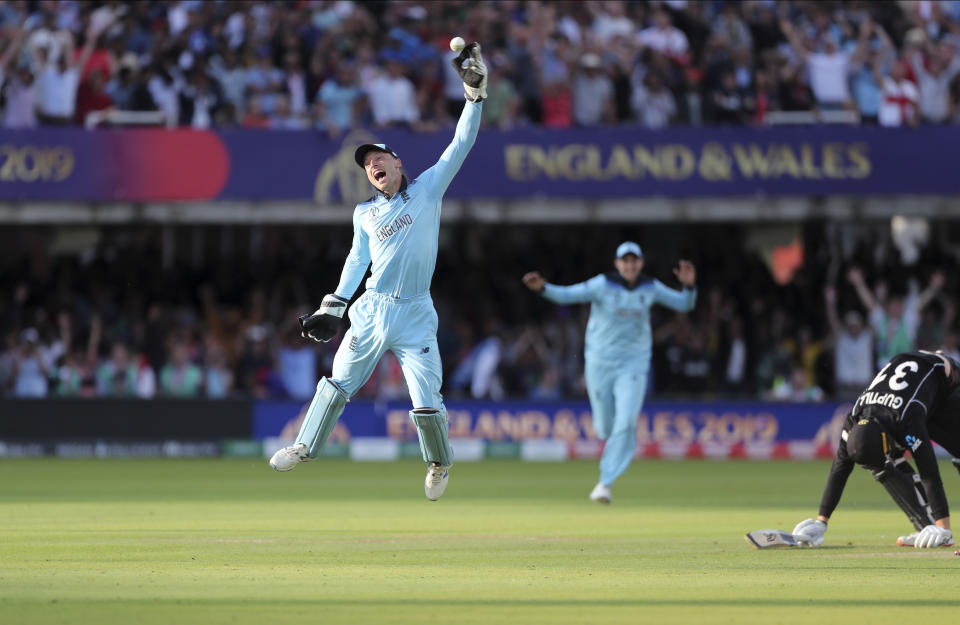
(617,351)
(396,230)
(907,406)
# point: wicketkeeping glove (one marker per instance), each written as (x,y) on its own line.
(809,532)
(324,324)
(933,536)
(469,64)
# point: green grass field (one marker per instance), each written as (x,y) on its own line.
(229,541)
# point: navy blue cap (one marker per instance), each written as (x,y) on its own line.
(361,152)
(868,443)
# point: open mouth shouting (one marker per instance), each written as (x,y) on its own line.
(379,174)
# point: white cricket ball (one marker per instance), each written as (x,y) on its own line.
(457,44)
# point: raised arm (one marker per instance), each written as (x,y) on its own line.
(472,70)
(17,35)
(441,175)
(93,340)
(886,44)
(863,291)
(915,56)
(794,39)
(937,281)
(830,299)
(94,30)
(682,301)
(953,68)
(863,43)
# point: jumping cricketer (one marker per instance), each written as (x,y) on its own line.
(395,231)
(618,348)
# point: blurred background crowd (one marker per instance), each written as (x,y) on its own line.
(333,65)
(791,315)
(798,316)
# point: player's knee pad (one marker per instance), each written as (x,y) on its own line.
(433,434)
(322,416)
(903,486)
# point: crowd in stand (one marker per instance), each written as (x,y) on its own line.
(225,325)
(333,65)
(79,325)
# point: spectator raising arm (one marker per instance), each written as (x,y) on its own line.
(794,39)
(16,35)
(863,291)
(60,78)
(926,296)
(830,298)
(92,36)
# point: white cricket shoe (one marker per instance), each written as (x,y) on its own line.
(910,540)
(601,493)
(437,477)
(288,457)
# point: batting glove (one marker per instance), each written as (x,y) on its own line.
(933,536)
(809,532)
(469,64)
(324,323)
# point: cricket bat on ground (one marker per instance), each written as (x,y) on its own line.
(768,539)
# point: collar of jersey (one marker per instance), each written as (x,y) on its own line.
(616,278)
(403,187)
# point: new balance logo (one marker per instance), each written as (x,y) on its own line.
(353,344)
(425,350)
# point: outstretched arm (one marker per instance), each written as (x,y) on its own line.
(574,294)
(684,300)
(441,175)
(469,64)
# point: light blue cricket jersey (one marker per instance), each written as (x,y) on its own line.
(619,324)
(399,234)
